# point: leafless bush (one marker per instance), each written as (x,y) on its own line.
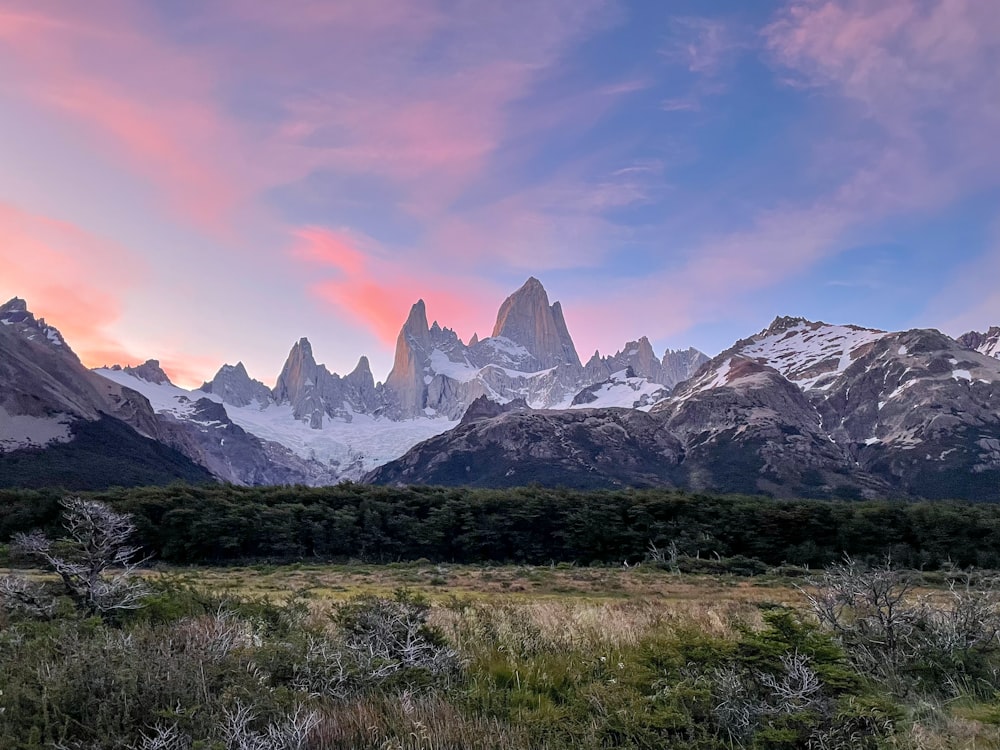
(387,636)
(95,563)
(325,669)
(21,596)
(737,707)
(869,608)
(888,630)
(291,734)
(164,738)
(798,688)
(969,619)
(217,636)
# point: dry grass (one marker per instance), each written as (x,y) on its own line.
(529,583)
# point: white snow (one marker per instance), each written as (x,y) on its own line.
(23,431)
(355,447)
(506,346)
(463,372)
(812,357)
(628,393)
(961,375)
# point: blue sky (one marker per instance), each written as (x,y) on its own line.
(206,182)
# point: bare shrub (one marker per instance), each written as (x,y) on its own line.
(869,609)
(95,563)
(18,595)
(292,733)
(387,636)
(798,688)
(889,631)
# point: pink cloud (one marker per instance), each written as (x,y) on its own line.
(377,292)
(69,277)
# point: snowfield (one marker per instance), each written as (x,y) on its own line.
(353,447)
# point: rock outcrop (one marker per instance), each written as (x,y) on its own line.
(985,343)
(527,319)
(233,384)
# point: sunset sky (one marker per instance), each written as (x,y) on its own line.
(206,181)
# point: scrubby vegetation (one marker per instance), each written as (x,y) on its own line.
(868,657)
(186,524)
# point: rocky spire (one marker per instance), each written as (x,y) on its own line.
(299,373)
(526,318)
(640,357)
(681,365)
(406,379)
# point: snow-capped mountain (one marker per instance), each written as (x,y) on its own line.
(317,427)
(62,424)
(801,408)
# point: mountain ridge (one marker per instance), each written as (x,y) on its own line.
(800,407)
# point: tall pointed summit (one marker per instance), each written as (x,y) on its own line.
(526,318)
(406,379)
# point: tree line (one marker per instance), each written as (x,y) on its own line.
(531,525)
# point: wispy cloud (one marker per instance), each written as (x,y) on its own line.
(68,276)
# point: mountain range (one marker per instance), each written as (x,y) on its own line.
(801,408)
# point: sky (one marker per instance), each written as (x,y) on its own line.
(207,181)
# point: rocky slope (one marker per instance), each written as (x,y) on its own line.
(801,408)
(583,448)
(50,402)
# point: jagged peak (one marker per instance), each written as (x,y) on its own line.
(474,340)
(532,283)
(363,366)
(14,304)
(782,323)
(150,371)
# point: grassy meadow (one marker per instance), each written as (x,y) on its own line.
(426,656)
(653,644)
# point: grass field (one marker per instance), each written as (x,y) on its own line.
(512,657)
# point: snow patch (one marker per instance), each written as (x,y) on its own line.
(23,431)
(812,357)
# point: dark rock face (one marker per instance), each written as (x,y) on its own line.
(150,371)
(580,448)
(985,343)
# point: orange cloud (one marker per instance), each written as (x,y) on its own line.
(68,276)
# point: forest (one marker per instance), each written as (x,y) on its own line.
(216,524)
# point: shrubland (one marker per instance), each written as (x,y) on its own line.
(867,656)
